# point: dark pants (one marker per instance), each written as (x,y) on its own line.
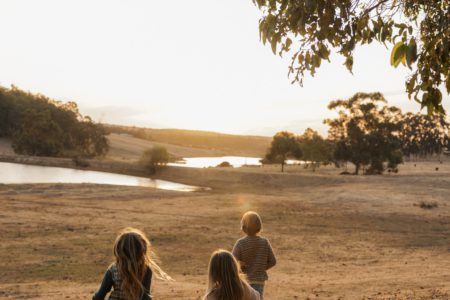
(259,288)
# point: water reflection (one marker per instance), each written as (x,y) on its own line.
(235,161)
(12,173)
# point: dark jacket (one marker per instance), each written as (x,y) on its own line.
(112,280)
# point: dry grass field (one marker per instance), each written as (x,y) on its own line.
(217,144)
(336,237)
(125,148)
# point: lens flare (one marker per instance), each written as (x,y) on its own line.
(243,202)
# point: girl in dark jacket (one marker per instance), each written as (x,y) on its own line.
(130,276)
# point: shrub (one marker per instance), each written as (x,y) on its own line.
(154,158)
(80,161)
(224,164)
(428,205)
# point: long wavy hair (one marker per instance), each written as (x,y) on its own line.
(134,255)
(225,281)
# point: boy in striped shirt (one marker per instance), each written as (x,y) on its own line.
(254,252)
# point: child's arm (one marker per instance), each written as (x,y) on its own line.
(105,287)
(271,260)
(236,251)
(237,254)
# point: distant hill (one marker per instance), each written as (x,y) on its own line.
(217,144)
(126,147)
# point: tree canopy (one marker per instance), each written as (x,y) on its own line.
(38,125)
(366,132)
(424,135)
(284,145)
(315,148)
(419,32)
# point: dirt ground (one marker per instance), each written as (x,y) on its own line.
(335,236)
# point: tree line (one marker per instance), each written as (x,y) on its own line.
(370,134)
(38,125)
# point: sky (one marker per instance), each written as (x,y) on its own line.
(177,64)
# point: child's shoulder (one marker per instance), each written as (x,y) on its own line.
(249,238)
(113,268)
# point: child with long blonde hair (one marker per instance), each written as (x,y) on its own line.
(254,252)
(225,282)
(130,276)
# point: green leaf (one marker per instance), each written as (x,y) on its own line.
(324,52)
(308,58)
(411,53)
(398,54)
(447,83)
(288,44)
(273,44)
(383,34)
(317,61)
(410,84)
(311,5)
(349,63)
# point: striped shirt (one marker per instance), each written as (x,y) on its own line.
(256,256)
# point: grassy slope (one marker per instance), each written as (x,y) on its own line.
(219,143)
(126,147)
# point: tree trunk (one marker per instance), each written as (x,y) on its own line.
(282,166)
(357,166)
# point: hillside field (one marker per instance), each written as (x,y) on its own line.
(213,143)
(125,147)
(335,237)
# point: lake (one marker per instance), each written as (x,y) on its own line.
(235,161)
(13,173)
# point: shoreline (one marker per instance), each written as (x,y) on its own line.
(215,178)
(94,164)
(265,179)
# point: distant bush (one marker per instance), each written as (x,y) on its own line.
(154,158)
(224,164)
(345,173)
(80,162)
(427,205)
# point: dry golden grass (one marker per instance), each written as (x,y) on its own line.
(227,144)
(336,237)
(125,147)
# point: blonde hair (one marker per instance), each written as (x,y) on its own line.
(251,223)
(224,279)
(133,254)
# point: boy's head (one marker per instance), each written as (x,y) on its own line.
(251,223)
